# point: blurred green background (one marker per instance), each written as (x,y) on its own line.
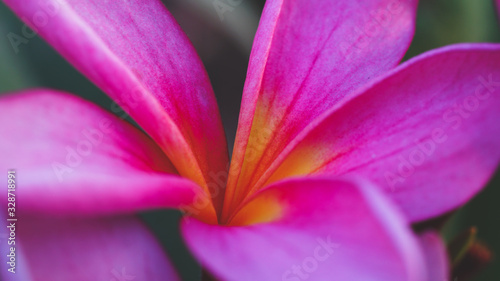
(224,47)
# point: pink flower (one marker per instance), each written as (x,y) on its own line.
(338,151)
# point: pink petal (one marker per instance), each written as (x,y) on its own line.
(136,53)
(329,229)
(110,249)
(436,257)
(427,133)
(307,56)
(71,157)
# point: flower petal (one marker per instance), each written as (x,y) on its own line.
(71,157)
(108,249)
(427,133)
(307,56)
(436,257)
(136,53)
(311,228)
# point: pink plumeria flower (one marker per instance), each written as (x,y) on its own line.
(338,150)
